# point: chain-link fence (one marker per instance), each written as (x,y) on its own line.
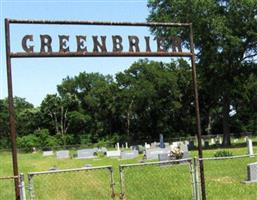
(158,180)
(225,178)
(7,187)
(73,184)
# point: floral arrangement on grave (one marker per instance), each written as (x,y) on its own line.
(176,153)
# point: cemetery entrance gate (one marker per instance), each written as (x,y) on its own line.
(99,50)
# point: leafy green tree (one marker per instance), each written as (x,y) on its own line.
(151,100)
(96,99)
(225,34)
(56,110)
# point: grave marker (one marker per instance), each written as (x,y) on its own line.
(62,154)
(129,154)
(251,173)
(86,153)
(250,147)
(48,153)
(113,153)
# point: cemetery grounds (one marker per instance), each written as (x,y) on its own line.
(223,177)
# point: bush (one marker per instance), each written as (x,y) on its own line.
(223,154)
(27,142)
(39,139)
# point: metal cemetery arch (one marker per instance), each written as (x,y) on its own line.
(30,54)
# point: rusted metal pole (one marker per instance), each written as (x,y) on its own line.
(101,54)
(99,23)
(197,111)
(11,108)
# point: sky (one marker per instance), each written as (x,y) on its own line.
(33,78)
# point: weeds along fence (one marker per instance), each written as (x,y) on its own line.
(225,176)
(158,180)
(73,184)
(7,187)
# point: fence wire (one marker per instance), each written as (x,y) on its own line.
(158,180)
(75,184)
(7,188)
(224,178)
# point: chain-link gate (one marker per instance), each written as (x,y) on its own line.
(72,184)
(159,180)
(225,178)
(7,187)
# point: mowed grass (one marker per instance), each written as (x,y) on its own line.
(223,178)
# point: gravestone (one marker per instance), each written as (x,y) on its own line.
(153,154)
(154,145)
(250,147)
(191,145)
(113,153)
(62,154)
(126,145)
(163,157)
(129,154)
(220,140)
(48,153)
(212,141)
(118,146)
(86,153)
(162,141)
(184,149)
(251,173)
(166,144)
(206,144)
(147,146)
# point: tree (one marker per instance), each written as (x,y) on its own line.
(151,100)
(57,109)
(96,96)
(225,34)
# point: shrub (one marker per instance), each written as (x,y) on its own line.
(27,142)
(223,154)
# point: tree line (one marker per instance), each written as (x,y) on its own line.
(151,97)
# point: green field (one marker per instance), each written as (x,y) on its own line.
(223,178)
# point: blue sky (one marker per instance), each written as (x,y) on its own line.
(33,78)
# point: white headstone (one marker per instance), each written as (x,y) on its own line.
(129,154)
(86,153)
(212,141)
(48,153)
(250,147)
(220,140)
(118,146)
(183,147)
(153,154)
(126,144)
(113,153)
(62,154)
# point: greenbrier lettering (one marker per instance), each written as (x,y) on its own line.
(171,44)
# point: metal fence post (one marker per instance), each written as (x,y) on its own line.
(22,187)
(31,193)
(196,182)
(122,182)
(112,184)
(192,171)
